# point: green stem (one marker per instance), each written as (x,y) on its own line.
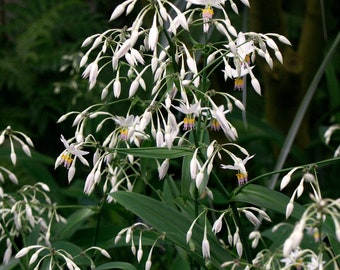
(242,234)
(172,50)
(217,179)
(302,110)
(277,172)
(23,260)
(95,237)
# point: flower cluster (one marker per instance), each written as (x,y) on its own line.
(312,224)
(234,239)
(23,212)
(21,138)
(179,99)
(57,258)
(130,238)
(162,97)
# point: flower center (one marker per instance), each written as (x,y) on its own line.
(124,133)
(207,13)
(215,125)
(247,59)
(189,122)
(242,178)
(67,159)
(239,83)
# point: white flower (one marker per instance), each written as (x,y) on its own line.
(163,169)
(252,218)
(239,164)
(190,111)
(205,245)
(199,179)
(243,47)
(239,248)
(194,165)
(217,226)
(153,34)
(286,179)
(329,132)
(315,263)
(171,130)
(126,125)
(213,3)
(218,113)
(293,241)
(119,10)
(69,155)
(255,236)
(289,209)
(292,257)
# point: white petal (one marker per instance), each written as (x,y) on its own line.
(284,40)
(153,34)
(13,158)
(117,11)
(256,85)
(133,88)
(289,209)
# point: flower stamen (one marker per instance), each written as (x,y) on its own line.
(67,159)
(242,178)
(124,133)
(207,13)
(239,83)
(215,125)
(189,122)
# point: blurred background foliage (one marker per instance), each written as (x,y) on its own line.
(39,81)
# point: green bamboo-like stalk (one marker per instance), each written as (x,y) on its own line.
(287,145)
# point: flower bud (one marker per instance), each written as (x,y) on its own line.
(289,209)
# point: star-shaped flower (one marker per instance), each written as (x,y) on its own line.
(69,155)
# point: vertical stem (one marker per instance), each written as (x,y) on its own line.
(293,130)
(242,234)
(23,260)
(95,237)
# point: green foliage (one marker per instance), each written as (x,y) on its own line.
(35,37)
(39,39)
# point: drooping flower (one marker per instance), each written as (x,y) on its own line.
(244,48)
(217,226)
(213,3)
(205,245)
(239,166)
(190,111)
(220,121)
(239,83)
(242,178)
(69,155)
(125,123)
(293,259)
(207,15)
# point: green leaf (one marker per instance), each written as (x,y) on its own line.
(74,250)
(270,199)
(116,265)
(173,224)
(278,237)
(10,265)
(333,90)
(156,152)
(262,196)
(170,191)
(74,222)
